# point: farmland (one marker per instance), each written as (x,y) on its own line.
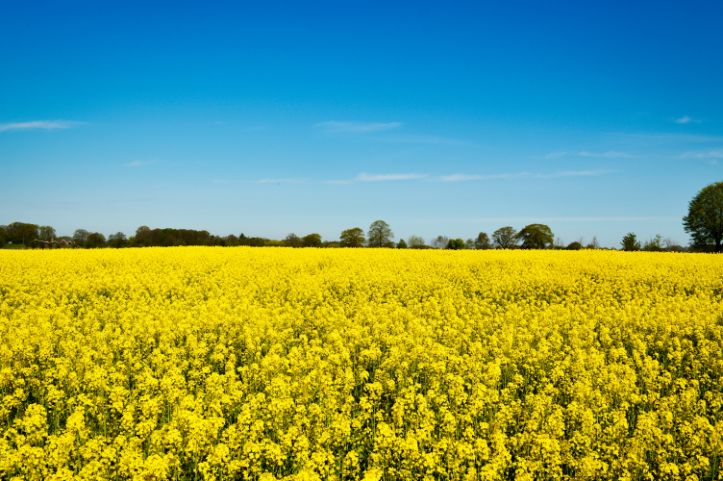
(346,364)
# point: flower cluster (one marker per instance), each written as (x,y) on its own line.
(349,364)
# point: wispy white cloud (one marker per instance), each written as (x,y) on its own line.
(40,125)
(356,127)
(664,137)
(421,139)
(703,155)
(282,180)
(685,119)
(459,177)
(137,163)
(523,175)
(364,177)
(608,154)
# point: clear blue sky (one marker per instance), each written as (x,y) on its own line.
(451,118)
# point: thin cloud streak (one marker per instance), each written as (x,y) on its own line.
(666,137)
(40,125)
(685,119)
(421,139)
(706,155)
(609,154)
(524,175)
(356,127)
(283,180)
(364,177)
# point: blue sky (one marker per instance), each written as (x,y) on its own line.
(597,118)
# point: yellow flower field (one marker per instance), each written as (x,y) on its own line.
(347,364)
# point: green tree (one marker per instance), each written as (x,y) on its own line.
(293,240)
(3,235)
(455,244)
(401,244)
(630,242)
(574,246)
(46,233)
(80,237)
(536,236)
(117,240)
(353,237)
(655,244)
(440,242)
(704,221)
(416,242)
(95,240)
(22,233)
(482,241)
(379,234)
(311,240)
(505,237)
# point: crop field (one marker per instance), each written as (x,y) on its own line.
(349,364)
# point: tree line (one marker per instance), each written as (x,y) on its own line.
(379,234)
(704,223)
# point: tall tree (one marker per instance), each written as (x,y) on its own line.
(353,237)
(117,240)
(22,233)
(704,221)
(293,240)
(80,237)
(536,236)
(482,241)
(379,234)
(630,242)
(505,237)
(455,244)
(311,240)
(95,240)
(440,242)
(46,233)
(416,242)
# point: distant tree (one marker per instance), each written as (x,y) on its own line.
(574,246)
(455,244)
(416,242)
(22,233)
(379,234)
(630,242)
(482,241)
(80,237)
(505,237)
(469,244)
(353,237)
(95,240)
(440,242)
(536,236)
(293,240)
(401,244)
(117,240)
(311,240)
(330,244)
(46,233)
(655,244)
(704,221)
(594,244)
(3,235)
(143,236)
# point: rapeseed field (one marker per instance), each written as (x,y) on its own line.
(360,364)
